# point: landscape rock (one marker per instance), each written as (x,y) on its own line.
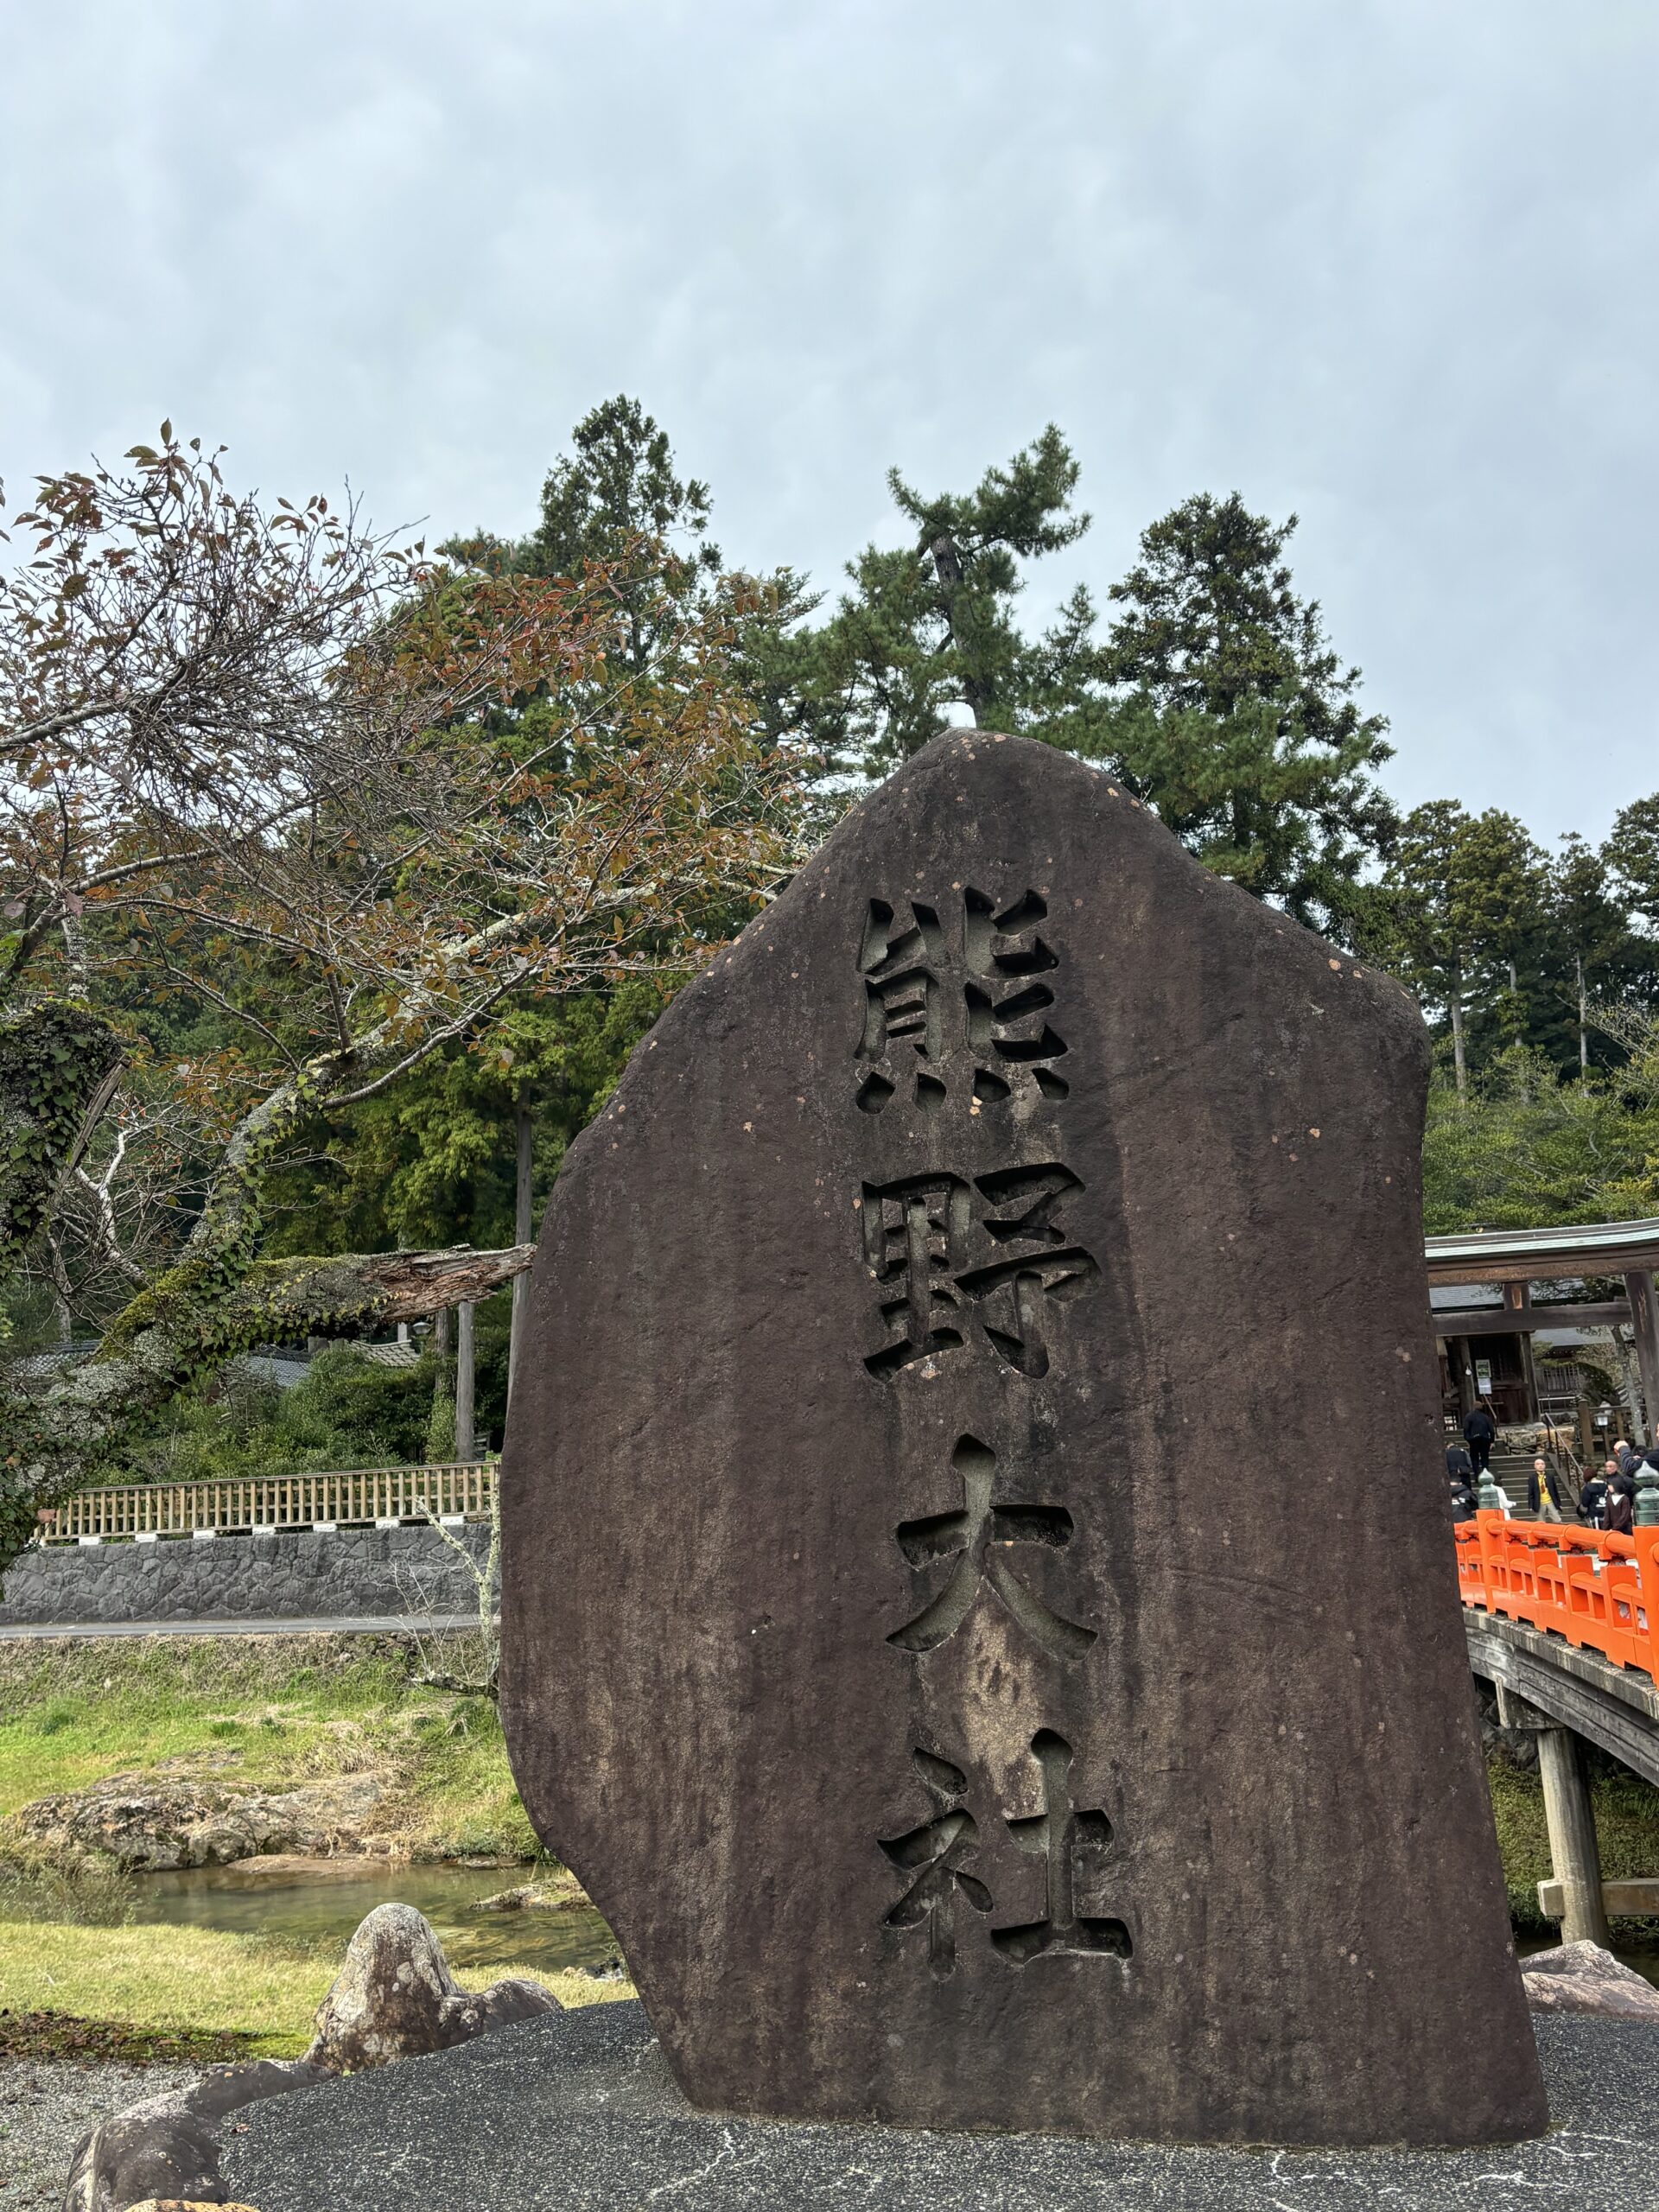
(394,1998)
(1584,1978)
(942,1622)
(180,2204)
(166,2148)
(271,1869)
(563,1895)
(152,1824)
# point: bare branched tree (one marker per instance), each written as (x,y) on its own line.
(266,762)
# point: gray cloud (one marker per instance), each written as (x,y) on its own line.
(1388,263)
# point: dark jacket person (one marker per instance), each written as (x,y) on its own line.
(1459,1464)
(1621,1518)
(1543,1482)
(1480,1432)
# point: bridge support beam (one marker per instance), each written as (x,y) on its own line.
(1574,1854)
(1569,1815)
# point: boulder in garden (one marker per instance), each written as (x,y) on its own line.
(976,1619)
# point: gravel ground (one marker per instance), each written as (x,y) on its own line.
(576,2112)
(45,2107)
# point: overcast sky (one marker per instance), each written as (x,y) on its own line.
(1390,264)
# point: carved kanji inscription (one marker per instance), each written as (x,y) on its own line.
(941,1623)
(978,1538)
(933,1860)
(948,1256)
(1074,1846)
(955,996)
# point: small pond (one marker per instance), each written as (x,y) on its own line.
(311,1906)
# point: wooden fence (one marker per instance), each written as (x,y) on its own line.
(359,1494)
(1598,1590)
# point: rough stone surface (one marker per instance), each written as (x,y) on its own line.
(167,2146)
(394,1998)
(179,2204)
(299,1573)
(597,2123)
(151,1825)
(1584,1978)
(949,1628)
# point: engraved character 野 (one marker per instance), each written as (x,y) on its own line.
(920,1238)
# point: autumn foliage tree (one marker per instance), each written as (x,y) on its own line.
(275,782)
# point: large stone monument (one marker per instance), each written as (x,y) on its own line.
(979,1612)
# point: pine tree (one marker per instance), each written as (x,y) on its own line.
(1632,856)
(931,626)
(1587,928)
(1235,719)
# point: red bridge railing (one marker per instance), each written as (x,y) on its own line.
(1598,1590)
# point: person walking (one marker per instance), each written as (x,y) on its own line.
(1544,1492)
(1621,1506)
(1592,1498)
(1458,1466)
(1464,1506)
(1480,1434)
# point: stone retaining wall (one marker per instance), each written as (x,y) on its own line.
(294,1574)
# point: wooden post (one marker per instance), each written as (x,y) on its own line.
(1573,1852)
(1517,1297)
(464,1442)
(1463,1362)
(1644,1315)
(525,1127)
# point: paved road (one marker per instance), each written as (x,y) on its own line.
(362,1624)
(576,2112)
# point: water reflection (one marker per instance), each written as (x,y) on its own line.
(316,1906)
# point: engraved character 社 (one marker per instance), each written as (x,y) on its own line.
(931,1860)
(1073,1846)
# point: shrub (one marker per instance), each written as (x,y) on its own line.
(49,1879)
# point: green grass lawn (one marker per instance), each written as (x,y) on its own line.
(200,1980)
(276,1711)
(267,1712)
